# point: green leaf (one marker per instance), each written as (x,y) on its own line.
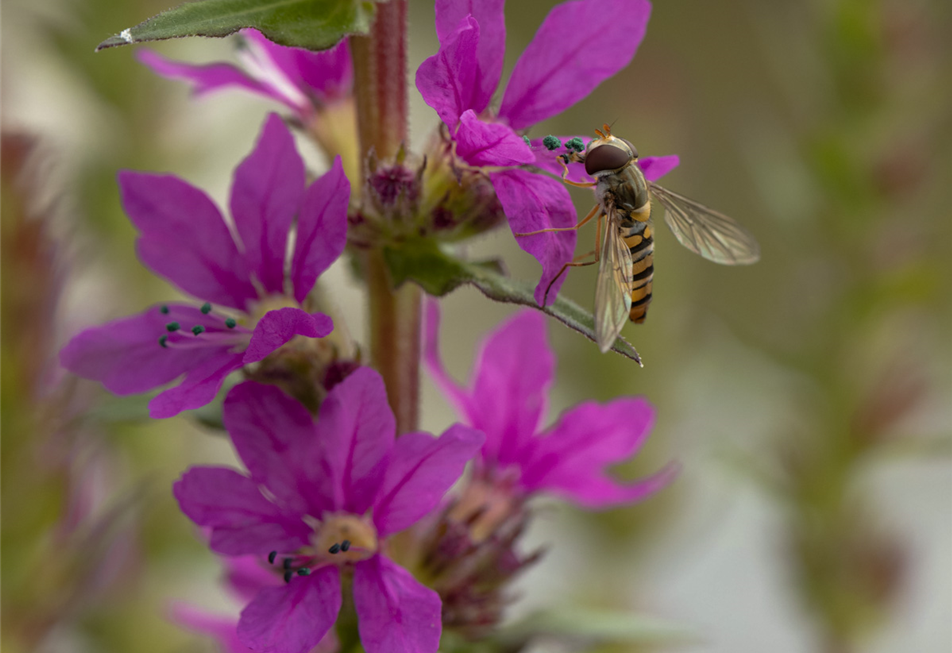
(438,273)
(601,626)
(311,24)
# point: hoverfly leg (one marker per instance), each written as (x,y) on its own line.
(585,220)
(571,264)
(565,172)
(577,262)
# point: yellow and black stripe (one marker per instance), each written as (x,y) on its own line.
(640,242)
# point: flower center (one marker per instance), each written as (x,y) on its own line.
(258,309)
(345,538)
(338,539)
(485,506)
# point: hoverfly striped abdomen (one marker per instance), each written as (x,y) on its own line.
(626,192)
(640,242)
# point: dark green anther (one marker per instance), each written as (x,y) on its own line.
(162,340)
(272,556)
(345,545)
(230,323)
(286,563)
(164,310)
(172,327)
(197,329)
(206,308)
(334,549)
(551,142)
(576,144)
(287,576)
(303,571)
(528,142)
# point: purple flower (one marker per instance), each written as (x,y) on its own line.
(245,576)
(578,45)
(299,79)
(324,495)
(184,238)
(506,400)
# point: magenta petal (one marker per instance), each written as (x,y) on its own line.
(292,618)
(395,613)
(199,387)
(578,46)
(509,396)
(242,520)
(185,239)
(321,229)
(656,167)
(447,80)
(491,47)
(532,202)
(203,78)
(571,460)
(591,490)
(246,575)
(356,430)
(280,326)
(275,437)
(329,73)
(421,470)
(490,143)
(222,628)
(125,355)
(265,197)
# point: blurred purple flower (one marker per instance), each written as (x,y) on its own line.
(185,239)
(299,79)
(578,45)
(310,489)
(506,400)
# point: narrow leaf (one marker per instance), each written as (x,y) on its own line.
(439,273)
(601,626)
(311,24)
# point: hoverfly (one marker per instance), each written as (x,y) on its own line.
(625,244)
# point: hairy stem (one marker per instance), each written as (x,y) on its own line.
(395,339)
(380,75)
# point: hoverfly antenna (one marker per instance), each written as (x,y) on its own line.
(608,128)
(599,132)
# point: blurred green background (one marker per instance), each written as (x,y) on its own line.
(809,397)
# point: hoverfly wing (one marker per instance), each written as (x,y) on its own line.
(705,231)
(613,289)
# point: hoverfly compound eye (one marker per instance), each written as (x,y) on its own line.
(634,152)
(604,158)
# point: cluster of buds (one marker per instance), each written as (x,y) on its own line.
(469,554)
(428,196)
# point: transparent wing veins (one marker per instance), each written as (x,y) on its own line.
(613,289)
(705,231)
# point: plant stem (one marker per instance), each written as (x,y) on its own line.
(395,338)
(380,75)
